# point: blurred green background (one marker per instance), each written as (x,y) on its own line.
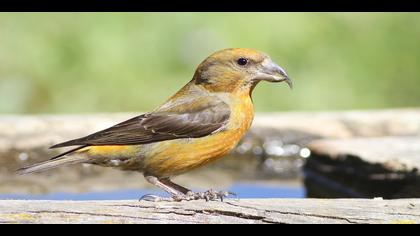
(114,62)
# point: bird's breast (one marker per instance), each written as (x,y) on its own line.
(174,157)
(242,114)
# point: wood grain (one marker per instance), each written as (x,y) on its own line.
(244,211)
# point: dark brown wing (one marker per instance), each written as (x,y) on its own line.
(159,126)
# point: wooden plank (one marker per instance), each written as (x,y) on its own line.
(244,211)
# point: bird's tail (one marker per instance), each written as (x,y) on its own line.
(50,164)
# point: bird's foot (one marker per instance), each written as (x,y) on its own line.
(210,195)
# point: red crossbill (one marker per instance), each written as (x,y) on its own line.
(199,124)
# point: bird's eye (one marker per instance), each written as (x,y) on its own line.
(242,61)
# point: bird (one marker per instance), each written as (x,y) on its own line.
(199,124)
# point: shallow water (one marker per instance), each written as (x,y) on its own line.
(243,190)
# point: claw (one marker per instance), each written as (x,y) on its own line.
(233,195)
(148,197)
(223,194)
(155,198)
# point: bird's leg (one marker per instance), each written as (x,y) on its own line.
(175,186)
(176,195)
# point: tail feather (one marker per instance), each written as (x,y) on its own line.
(50,164)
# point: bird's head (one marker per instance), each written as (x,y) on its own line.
(238,69)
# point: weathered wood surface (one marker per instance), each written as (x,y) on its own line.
(232,211)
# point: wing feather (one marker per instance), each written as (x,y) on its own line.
(191,122)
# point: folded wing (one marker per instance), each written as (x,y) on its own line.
(190,122)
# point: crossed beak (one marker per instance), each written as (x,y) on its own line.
(272,72)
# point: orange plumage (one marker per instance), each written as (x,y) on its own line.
(199,124)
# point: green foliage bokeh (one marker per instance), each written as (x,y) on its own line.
(115,62)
